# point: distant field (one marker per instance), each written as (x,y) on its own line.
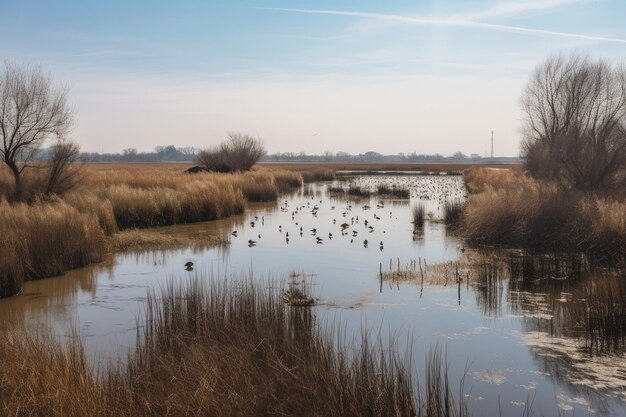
(301,166)
(399,166)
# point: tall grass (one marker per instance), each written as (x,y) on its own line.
(399,192)
(452,212)
(539,215)
(419,215)
(319,174)
(358,191)
(287,180)
(47,238)
(43,240)
(228,348)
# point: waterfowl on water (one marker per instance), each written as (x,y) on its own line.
(189,264)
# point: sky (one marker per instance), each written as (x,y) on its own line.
(430,76)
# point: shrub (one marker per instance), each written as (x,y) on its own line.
(238,153)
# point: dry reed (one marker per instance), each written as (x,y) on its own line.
(523,212)
(43,240)
(221,348)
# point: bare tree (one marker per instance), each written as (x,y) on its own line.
(575,125)
(238,153)
(63,169)
(31,111)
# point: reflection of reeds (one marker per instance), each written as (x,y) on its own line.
(561,294)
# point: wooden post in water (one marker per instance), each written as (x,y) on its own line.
(458,279)
(422,275)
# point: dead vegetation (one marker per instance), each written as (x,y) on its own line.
(224,348)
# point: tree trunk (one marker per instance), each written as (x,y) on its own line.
(17,176)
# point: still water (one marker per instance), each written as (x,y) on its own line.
(524,338)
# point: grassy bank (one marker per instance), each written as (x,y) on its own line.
(224,348)
(507,207)
(47,238)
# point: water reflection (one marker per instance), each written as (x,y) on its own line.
(547,327)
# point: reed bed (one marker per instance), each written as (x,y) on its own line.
(419,215)
(319,174)
(140,240)
(452,212)
(398,192)
(286,180)
(192,202)
(540,215)
(478,179)
(222,348)
(357,191)
(43,240)
(47,238)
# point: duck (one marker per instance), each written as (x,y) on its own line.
(189,264)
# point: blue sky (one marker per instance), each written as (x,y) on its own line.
(402,76)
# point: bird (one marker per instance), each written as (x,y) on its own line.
(189,264)
(251,242)
(234,233)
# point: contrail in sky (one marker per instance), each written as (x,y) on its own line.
(452,22)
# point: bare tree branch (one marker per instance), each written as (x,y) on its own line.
(31,111)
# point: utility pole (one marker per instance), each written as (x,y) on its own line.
(492,144)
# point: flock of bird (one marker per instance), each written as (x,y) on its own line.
(352,219)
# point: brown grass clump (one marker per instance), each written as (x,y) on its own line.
(143,240)
(287,180)
(192,202)
(478,179)
(40,377)
(92,204)
(318,174)
(256,186)
(522,212)
(43,240)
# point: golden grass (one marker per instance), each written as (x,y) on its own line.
(134,240)
(45,239)
(117,197)
(520,211)
(478,179)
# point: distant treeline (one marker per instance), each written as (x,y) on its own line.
(378,157)
(171,153)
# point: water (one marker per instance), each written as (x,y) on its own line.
(517,338)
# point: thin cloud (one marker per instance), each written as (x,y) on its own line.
(451,22)
(512,8)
